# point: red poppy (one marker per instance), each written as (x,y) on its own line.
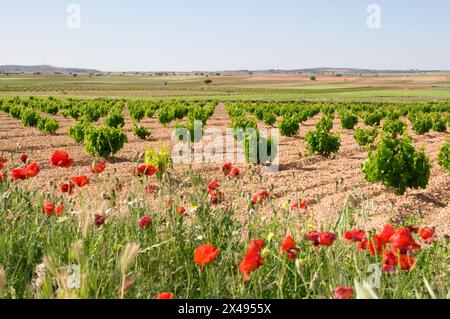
(67,188)
(427,234)
(326,238)
(321,238)
(296,205)
(217,197)
(181,210)
(390,260)
(402,240)
(252,259)
(50,209)
(165,295)
(289,247)
(61,159)
(356,236)
(343,292)
(379,241)
(31,170)
(147,170)
(260,197)
(406,261)
(145,222)
(28,171)
(23,158)
(213,185)
(80,181)
(18,174)
(205,254)
(59,209)
(99,220)
(3,161)
(97,168)
(226,169)
(235,172)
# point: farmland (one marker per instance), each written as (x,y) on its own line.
(133,229)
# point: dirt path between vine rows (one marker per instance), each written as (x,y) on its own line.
(327,183)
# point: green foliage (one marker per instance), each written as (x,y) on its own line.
(348,120)
(439,123)
(325,124)
(269,118)
(289,126)
(395,163)
(421,123)
(393,115)
(444,156)
(48,125)
(104,141)
(91,112)
(259,149)
(365,138)
(165,116)
(115,119)
(322,142)
(77,131)
(394,127)
(243,123)
(373,118)
(159,159)
(30,117)
(329,111)
(16,111)
(50,108)
(141,131)
(149,112)
(137,112)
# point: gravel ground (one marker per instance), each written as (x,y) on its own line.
(328,183)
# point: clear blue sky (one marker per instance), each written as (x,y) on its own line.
(220,35)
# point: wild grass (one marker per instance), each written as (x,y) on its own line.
(68,256)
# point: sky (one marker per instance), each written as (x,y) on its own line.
(190,35)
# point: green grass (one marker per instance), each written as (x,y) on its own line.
(223,87)
(164,260)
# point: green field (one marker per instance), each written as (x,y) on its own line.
(230,86)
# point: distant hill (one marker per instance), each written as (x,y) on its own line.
(43,69)
(48,69)
(343,71)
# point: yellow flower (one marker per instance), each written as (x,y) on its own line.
(270,237)
(193,209)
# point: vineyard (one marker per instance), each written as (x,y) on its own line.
(93,205)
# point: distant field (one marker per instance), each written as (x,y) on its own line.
(232,87)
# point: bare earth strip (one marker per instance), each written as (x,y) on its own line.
(327,183)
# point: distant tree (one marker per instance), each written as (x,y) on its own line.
(312,78)
(207,81)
